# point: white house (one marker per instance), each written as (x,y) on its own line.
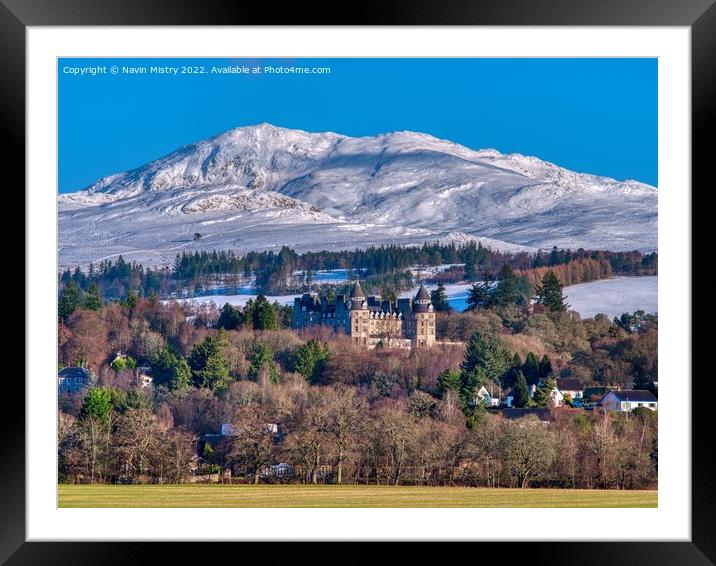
(486,398)
(143,377)
(628,400)
(570,386)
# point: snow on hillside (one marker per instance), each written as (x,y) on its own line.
(260,187)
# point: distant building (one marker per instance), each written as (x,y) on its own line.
(71,380)
(570,386)
(371,321)
(484,396)
(629,399)
(281,471)
(143,377)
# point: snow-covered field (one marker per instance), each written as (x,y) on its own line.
(607,296)
(261,187)
(614,296)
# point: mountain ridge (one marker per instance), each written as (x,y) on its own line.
(397,186)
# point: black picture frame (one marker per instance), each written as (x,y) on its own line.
(699,15)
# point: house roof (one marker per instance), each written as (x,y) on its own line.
(75,372)
(569,384)
(639,395)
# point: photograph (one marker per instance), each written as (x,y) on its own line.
(357,282)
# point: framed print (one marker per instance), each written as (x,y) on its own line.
(361,281)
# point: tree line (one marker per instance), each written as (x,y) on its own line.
(337,434)
(276,272)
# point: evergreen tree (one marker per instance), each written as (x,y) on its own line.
(264,314)
(92,300)
(470,269)
(97,404)
(549,293)
(130,299)
(521,392)
(485,359)
(545,367)
(439,298)
(230,318)
(531,369)
(487,354)
(543,394)
(479,296)
(118,364)
(449,380)
(262,360)
(135,399)
(69,300)
(475,415)
(248,313)
(208,365)
(181,375)
(507,290)
(311,359)
(470,382)
(170,370)
(510,377)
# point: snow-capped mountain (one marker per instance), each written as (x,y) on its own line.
(259,187)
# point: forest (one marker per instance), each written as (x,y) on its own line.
(338,413)
(286,271)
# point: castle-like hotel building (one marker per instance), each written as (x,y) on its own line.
(371,321)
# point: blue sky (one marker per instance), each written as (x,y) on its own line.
(590,115)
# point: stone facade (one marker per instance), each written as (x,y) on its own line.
(369,321)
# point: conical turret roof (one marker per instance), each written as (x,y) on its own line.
(357,291)
(421,303)
(423,294)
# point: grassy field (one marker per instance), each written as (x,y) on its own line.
(197,495)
